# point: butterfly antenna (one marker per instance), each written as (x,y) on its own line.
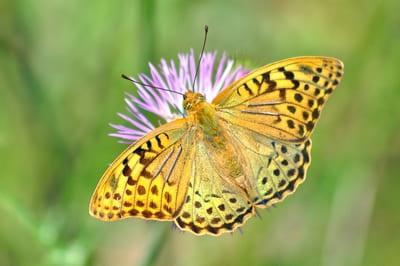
(151,86)
(201,54)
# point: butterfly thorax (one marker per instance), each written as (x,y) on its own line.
(202,115)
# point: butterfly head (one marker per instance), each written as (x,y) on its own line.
(191,100)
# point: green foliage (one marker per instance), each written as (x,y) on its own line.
(60,63)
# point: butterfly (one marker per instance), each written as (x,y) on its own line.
(247,149)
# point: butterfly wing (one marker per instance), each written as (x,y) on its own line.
(214,203)
(148,179)
(273,169)
(282,100)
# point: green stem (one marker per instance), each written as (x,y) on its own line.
(158,240)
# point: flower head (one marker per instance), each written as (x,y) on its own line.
(213,76)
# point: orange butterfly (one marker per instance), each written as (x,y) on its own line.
(248,149)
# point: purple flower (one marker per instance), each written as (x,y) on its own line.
(166,105)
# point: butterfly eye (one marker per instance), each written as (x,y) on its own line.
(187,105)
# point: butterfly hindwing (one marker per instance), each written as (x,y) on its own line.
(282,100)
(148,179)
(273,169)
(214,204)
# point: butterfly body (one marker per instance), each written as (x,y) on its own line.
(203,117)
(249,148)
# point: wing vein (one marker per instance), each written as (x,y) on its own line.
(173,163)
(162,164)
(258,112)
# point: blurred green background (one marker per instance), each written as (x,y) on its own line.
(60,63)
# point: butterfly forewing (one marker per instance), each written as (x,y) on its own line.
(282,100)
(148,179)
